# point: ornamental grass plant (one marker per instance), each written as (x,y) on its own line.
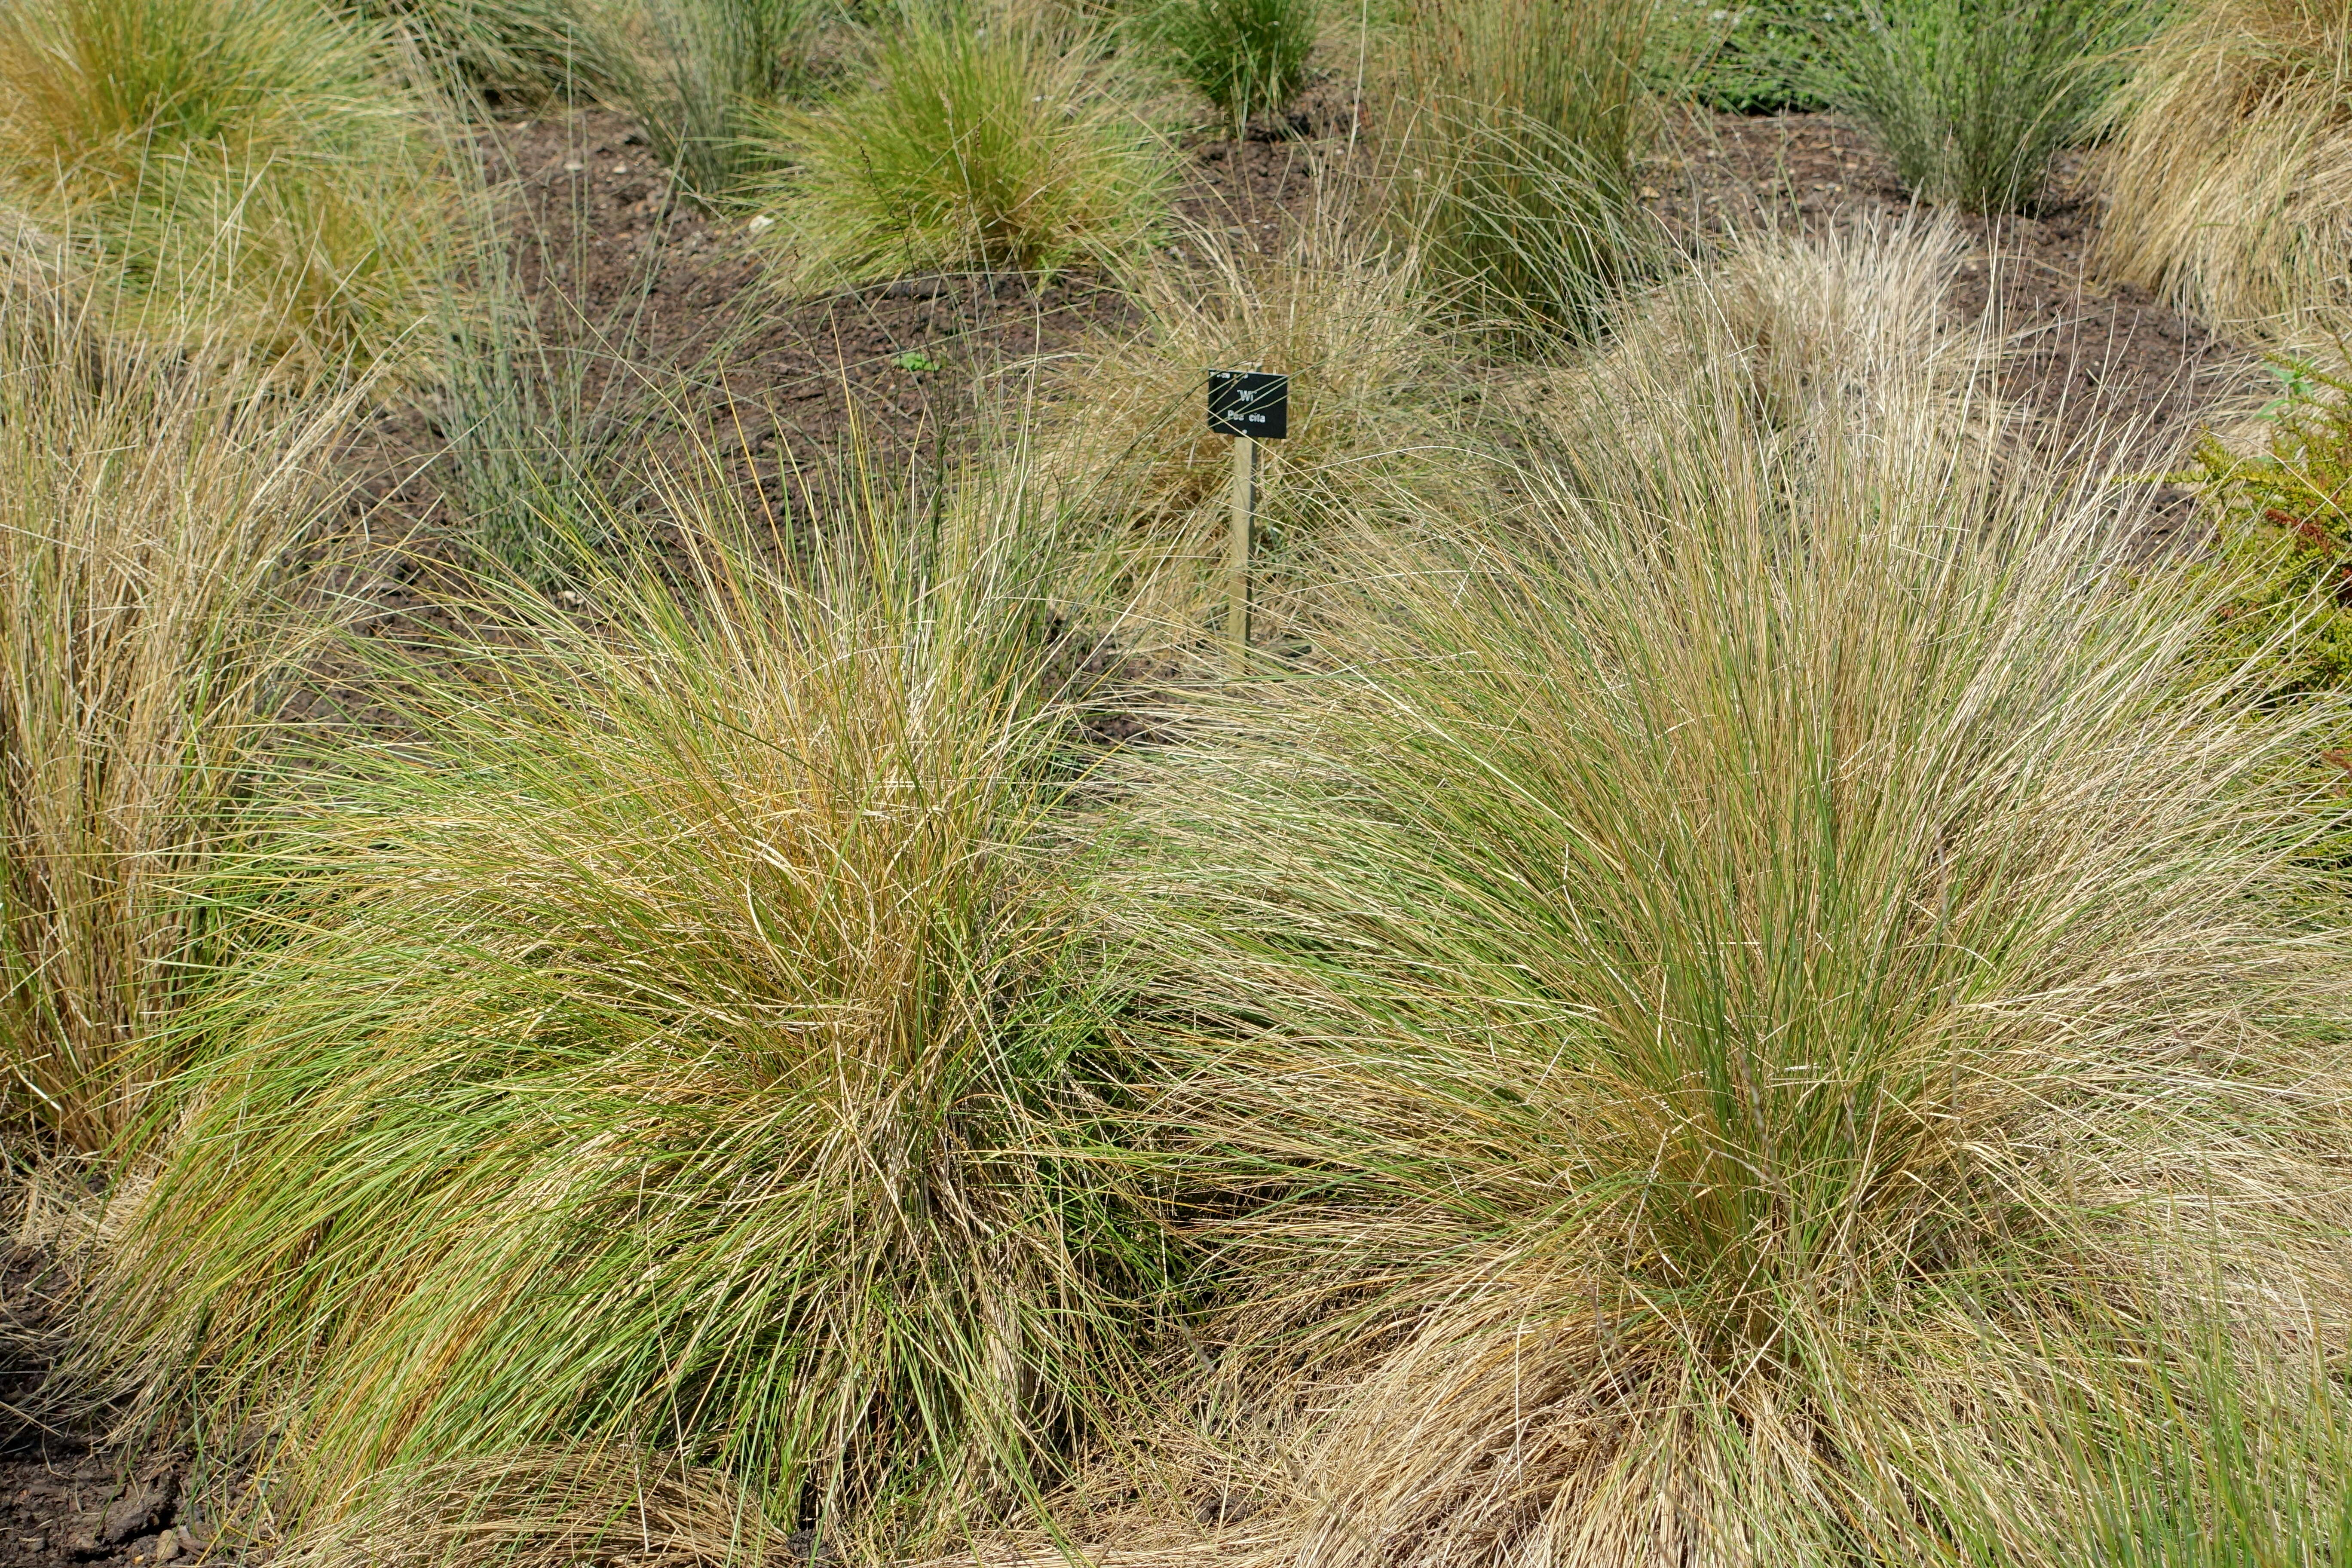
(679,1046)
(2228,182)
(1775,346)
(1733,1009)
(520,48)
(699,74)
(1246,56)
(150,621)
(1513,129)
(236,172)
(1972,99)
(1373,433)
(986,139)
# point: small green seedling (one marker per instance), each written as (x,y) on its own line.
(916,360)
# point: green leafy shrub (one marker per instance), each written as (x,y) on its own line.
(2283,525)
(1247,57)
(1517,128)
(2283,519)
(983,141)
(1971,99)
(230,165)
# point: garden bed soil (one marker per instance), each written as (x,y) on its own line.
(671,301)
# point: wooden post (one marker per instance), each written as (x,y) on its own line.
(1237,551)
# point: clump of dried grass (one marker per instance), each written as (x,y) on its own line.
(1373,426)
(553,1508)
(149,515)
(2229,183)
(1742,1016)
(1775,345)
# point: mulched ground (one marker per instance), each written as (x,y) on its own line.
(617,265)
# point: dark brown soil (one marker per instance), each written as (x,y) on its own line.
(666,305)
(62,1503)
(667,302)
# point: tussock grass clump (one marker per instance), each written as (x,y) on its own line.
(699,74)
(1517,125)
(234,169)
(2230,183)
(1127,449)
(677,1047)
(147,518)
(1247,57)
(524,47)
(985,140)
(1731,1017)
(1781,349)
(1971,99)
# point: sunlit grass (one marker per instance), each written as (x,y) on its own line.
(984,140)
(1728,1003)
(229,169)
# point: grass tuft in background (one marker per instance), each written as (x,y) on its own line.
(699,74)
(1516,126)
(231,170)
(1971,99)
(527,49)
(2229,185)
(1147,490)
(1247,57)
(985,140)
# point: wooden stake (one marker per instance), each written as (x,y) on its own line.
(1237,551)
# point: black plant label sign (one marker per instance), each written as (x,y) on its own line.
(1249,402)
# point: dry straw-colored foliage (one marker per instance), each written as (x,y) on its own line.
(553,1508)
(2229,183)
(1777,343)
(1374,427)
(149,512)
(1747,1021)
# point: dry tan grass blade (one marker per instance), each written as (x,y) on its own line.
(2229,185)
